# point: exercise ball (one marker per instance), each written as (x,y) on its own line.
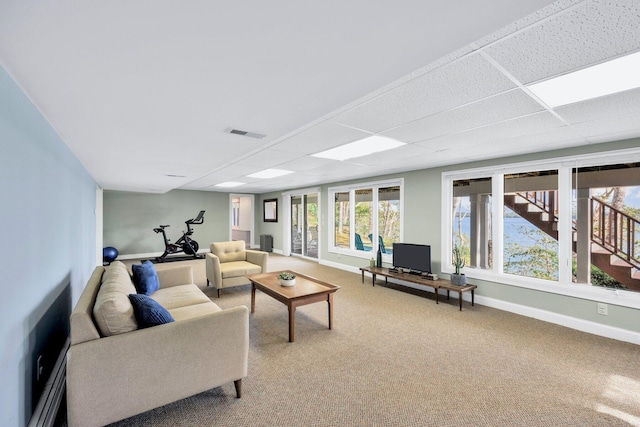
(109,254)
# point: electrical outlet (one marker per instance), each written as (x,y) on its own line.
(39,368)
(603,309)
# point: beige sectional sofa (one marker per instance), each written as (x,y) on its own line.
(116,370)
(229,264)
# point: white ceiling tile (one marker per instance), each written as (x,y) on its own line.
(610,128)
(320,137)
(269,158)
(607,106)
(551,139)
(591,32)
(460,82)
(306,163)
(487,111)
(389,157)
(495,132)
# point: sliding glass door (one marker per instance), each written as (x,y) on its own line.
(304,225)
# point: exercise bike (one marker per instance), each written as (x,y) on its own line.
(184,244)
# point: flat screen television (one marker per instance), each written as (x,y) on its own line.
(413,257)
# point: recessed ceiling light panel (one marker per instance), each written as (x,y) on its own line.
(603,79)
(229,184)
(363,147)
(269,173)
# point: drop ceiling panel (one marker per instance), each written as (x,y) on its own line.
(599,108)
(305,164)
(618,127)
(268,158)
(492,133)
(390,158)
(498,108)
(433,92)
(320,137)
(552,139)
(591,32)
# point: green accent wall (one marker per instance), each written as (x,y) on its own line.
(129,219)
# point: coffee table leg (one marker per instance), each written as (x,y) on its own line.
(330,303)
(253,297)
(460,299)
(292,322)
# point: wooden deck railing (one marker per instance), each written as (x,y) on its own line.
(616,231)
(610,228)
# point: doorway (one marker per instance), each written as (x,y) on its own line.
(242,217)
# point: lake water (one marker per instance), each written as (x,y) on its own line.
(516,230)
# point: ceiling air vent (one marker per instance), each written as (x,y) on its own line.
(245,133)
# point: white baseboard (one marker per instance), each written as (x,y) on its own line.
(562,320)
(522,310)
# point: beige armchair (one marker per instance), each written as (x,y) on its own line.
(229,263)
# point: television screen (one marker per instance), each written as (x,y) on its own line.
(416,258)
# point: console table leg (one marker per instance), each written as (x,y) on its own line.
(472,297)
(373,279)
(460,299)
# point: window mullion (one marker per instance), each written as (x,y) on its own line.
(565,226)
(497,213)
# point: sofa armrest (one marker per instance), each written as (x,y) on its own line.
(259,258)
(123,375)
(214,274)
(173,276)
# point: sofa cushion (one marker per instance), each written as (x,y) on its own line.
(148,312)
(145,278)
(239,268)
(229,251)
(112,310)
(194,311)
(180,296)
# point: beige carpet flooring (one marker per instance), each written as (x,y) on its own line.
(395,358)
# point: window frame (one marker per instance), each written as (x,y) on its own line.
(351,189)
(564,165)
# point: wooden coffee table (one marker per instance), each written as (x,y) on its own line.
(307,290)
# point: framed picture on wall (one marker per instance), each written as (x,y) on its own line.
(271,210)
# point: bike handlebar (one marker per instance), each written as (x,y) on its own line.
(197,220)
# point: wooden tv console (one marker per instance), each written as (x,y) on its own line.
(419,280)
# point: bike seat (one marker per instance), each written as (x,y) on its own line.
(164,226)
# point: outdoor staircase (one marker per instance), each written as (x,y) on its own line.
(612,232)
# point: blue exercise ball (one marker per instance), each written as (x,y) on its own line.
(109,254)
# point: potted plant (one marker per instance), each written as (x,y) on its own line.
(458,278)
(287,279)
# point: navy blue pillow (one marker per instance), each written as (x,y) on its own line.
(145,278)
(148,311)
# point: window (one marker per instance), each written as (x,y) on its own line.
(375,210)
(548,224)
(388,217)
(342,211)
(606,225)
(530,219)
(471,222)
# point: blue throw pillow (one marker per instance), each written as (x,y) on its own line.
(145,278)
(148,311)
